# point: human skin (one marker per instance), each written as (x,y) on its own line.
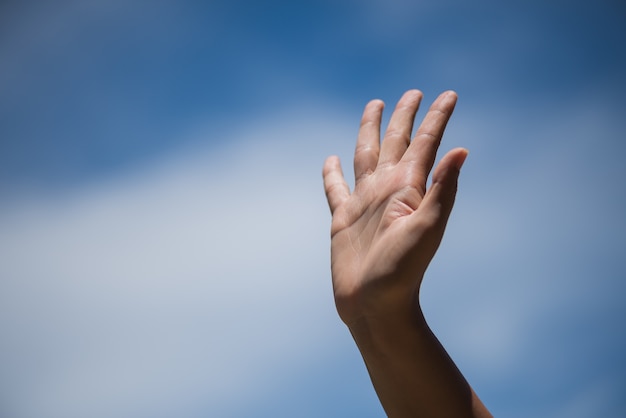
(383,236)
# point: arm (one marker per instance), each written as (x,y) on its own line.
(384,235)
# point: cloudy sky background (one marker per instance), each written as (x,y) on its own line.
(163,230)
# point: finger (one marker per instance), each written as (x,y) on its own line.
(423,148)
(335,186)
(398,134)
(436,207)
(368,141)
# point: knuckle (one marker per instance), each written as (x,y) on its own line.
(363,149)
(428,136)
(396,134)
(368,122)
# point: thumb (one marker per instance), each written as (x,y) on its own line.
(439,199)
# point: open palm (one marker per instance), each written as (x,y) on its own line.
(385,233)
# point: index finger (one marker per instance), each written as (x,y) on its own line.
(423,149)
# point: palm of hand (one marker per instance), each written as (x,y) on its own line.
(385,233)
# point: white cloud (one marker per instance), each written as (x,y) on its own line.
(191,280)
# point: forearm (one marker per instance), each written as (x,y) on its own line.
(411,371)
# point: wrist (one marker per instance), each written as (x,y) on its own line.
(377,296)
(391,332)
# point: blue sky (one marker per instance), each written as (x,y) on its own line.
(164,236)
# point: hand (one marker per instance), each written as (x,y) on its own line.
(385,233)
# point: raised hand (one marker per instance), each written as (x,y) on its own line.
(387,230)
(384,235)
